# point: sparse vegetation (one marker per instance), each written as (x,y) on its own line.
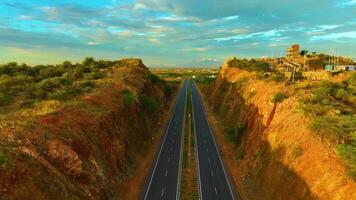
(154,78)
(240,153)
(296,151)
(331,110)
(148,103)
(235,134)
(348,153)
(279,97)
(251,65)
(42,82)
(168,91)
(4,160)
(128,97)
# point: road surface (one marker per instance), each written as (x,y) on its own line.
(165,178)
(213,181)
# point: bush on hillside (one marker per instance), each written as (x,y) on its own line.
(128,97)
(333,117)
(154,79)
(4,99)
(4,160)
(235,134)
(348,153)
(148,103)
(336,129)
(168,91)
(279,97)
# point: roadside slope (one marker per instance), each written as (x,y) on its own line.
(89,145)
(275,155)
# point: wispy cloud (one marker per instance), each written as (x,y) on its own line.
(173,30)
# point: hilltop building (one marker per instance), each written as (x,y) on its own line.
(294,60)
(292,52)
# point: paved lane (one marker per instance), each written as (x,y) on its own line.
(165,178)
(213,178)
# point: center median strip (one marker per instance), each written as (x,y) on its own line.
(189,165)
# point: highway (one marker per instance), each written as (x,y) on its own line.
(213,179)
(164,181)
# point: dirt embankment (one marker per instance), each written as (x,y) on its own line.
(90,146)
(278,157)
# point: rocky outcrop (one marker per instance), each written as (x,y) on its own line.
(64,156)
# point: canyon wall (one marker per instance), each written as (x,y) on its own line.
(89,145)
(277,156)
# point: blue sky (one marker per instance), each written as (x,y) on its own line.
(172,32)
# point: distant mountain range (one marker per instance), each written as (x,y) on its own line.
(200,63)
(206,62)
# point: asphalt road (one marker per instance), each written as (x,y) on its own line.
(165,178)
(213,179)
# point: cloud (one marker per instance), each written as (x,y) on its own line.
(93,43)
(154,41)
(197,49)
(179,29)
(336,36)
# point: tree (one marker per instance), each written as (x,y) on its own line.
(303,52)
(88,61)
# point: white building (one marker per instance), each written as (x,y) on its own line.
(345,68)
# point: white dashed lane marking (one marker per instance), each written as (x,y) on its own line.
(162,193)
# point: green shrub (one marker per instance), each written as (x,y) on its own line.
(154,78)
(128,97)
(27,103)
(149,103)
(4,160)
(49,84)
(86,84)
(279,97)
(316,109)
(342,95)
(65,93)
(168,91)
(5,99)
(336,129)
(235,134)
(277,77)
(324,92)
(348,153)
(94,75)
(260,66)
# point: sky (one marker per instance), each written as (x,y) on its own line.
(172,32)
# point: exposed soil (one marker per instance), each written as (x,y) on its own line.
(283,160)
(89,145)
(132,187)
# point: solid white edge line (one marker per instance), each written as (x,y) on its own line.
(181,145)
(196,147)
(164,139)
(217,149)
